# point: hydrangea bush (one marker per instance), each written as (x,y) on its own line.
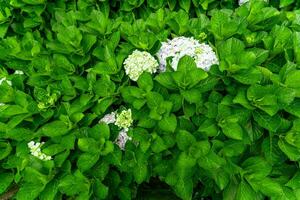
(149,99)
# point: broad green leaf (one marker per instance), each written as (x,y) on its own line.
(53,129)
(104,87)
(199,149)
(192,96)
(158,145)
(168,123)
(211,161)
(166,80)
(145,82)
(256,168)
(6,181)
(264,120)
(100,190)
(50,191)
(270,187)
(184,140)
(5,149)
(184,188)
(73,184)
(232,130)
(140,172)
(284,3)
(290,151)
(291,81)
(245,192)
(34,188)
(86,161)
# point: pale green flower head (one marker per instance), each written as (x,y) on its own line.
(35,150)
(124,119)
(139,62)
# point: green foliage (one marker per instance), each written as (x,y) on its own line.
(232,132)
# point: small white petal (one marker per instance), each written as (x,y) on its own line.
(139,62)
(19,72)
(122,139)
(109,118)
(35,150)
(176,48)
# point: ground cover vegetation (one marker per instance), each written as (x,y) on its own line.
(149,99)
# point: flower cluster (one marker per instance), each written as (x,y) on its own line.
(139,62)
(123,121)
(2,80)
(35,149)
(109,118)
(241,2)
(19,72)
(176,48)
(122,139)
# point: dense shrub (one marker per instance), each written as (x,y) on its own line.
(231,131)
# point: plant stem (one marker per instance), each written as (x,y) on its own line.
(10,193)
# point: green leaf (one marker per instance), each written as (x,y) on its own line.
(266,121)
(229,47)
(294,181)
(290,151)
(184,140)
(5,149)
(223,25)
(50,191)
(140,172)
(158,145)
(168,123)
(88,145)
(185,64)
(104,87)
(270,187)
(211,161)
(86,161)
(99,22)
(232,130)
(284,3)
(73,184)
(145,82)
(233,148)
(292,79)
(166,80)
(154,100)
(199,149)
(70,35)
(54,129)
(100,190)
(294,108)
(192,96)
(184,188)
(256,168)
(34,188)
(6,180)
(245,192)
(185,4)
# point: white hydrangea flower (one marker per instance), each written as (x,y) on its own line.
(124,119)
(2,104)
(35,150)
(241,2)
(122,139)
(109,118)
(139,62)
(176,48)
(19,72)
(5,80)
